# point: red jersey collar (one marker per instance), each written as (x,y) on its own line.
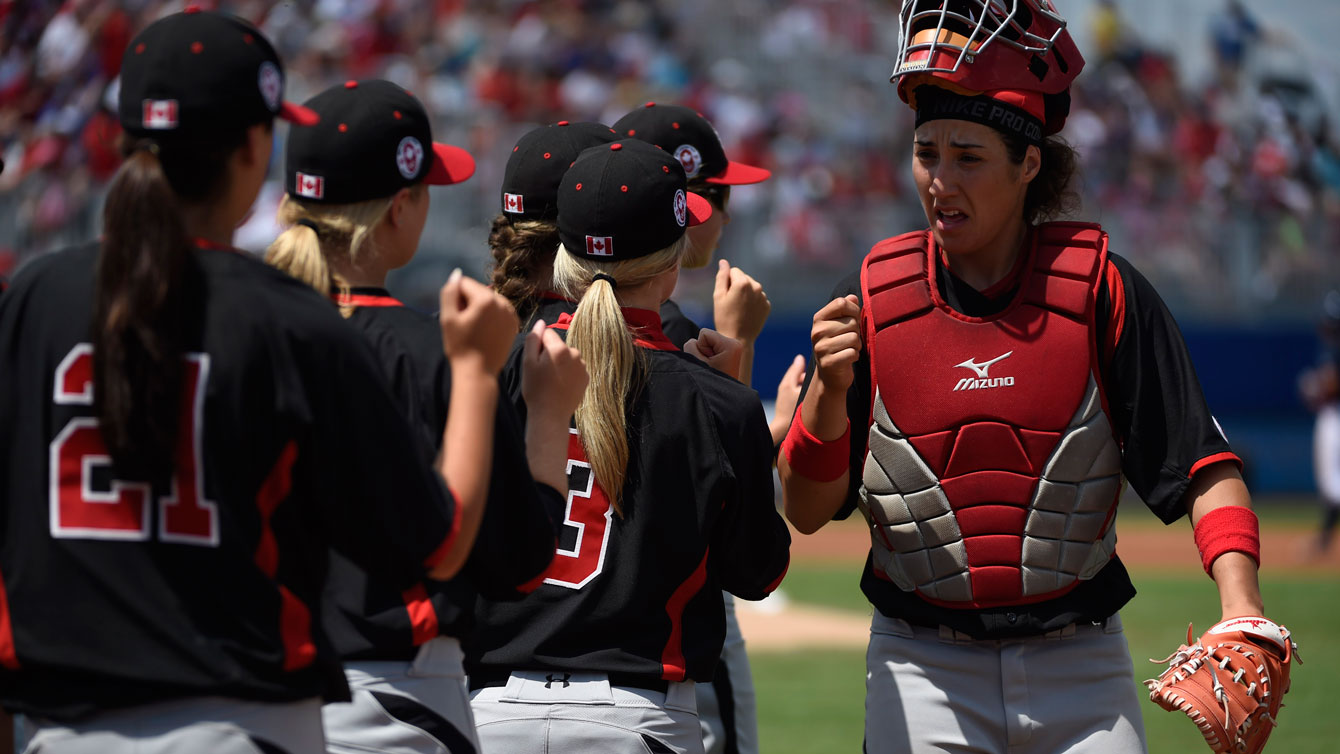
(551,296)
(1011,279)
(644,324)
(366,297)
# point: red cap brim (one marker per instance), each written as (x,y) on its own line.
(298,115)
(700,210)
(737,173)
(450,165)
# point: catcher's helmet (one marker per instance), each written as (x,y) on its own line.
(976,46)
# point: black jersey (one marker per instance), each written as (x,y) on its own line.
(677,326)
(370,621)
(1157,410)
(117,593)
(549,308)
(639,595)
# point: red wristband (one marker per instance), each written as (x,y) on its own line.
(1231,528)
(813,458)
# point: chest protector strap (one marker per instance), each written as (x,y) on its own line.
(992,473)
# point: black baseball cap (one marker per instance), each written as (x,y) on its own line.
(198,73)
(373,140)
(538,162)
(625,200)
(686,134)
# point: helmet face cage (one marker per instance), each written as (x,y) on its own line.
(941,35)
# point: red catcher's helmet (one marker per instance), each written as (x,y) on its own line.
(974,46)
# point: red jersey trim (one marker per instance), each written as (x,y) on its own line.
(1116,293)
(1213,459)
(440,553)
(422,616)
(770,588)
(295,619)
(672,657)
(9,656)
(204,243)
(368,300)
(643,324)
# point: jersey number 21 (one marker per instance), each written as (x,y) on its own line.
(120,510)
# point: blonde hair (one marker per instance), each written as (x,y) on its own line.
(345,230)
(614,364)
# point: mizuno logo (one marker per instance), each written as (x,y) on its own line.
(983,380)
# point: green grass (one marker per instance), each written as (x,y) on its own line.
(813,702)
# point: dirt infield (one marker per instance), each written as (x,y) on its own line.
(1141,545)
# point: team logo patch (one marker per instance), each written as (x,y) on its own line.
(160,114)
(310,186)
(409,157)
(681,208)
(689,158)
(513,203)
(271,83)
(600,246)
(983,378)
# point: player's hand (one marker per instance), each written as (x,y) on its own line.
(837,342)
(717,351)
(553,374)
(739,305)
(478,325)
(788,393)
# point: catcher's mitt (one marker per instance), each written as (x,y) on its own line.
(1231,682)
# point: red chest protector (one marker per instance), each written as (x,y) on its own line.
(992,472)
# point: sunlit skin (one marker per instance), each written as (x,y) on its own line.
(704,238)
(973,197)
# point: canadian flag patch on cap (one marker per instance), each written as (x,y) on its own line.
(160,114)
(601,246)
(310,186)
(512,203)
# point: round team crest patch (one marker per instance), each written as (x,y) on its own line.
(409,157)
(271,83)
(690,158)
(681,208)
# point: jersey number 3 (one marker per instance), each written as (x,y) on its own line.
(115,509)
(589,513)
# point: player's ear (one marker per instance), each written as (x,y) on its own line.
(1032,163)
(399,204)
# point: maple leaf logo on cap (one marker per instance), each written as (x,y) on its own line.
(690,158)
(409,156)
(513,203)
(601,246)
(160,114)
(310,186)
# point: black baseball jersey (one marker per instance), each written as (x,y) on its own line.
(1157,410)
(678,327)
(549,308)
(640,594)
(118,593)
(370,621)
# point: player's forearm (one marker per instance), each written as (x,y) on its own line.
(809,504)
(1234,572)
(746,361)
(467,455)
(547,447)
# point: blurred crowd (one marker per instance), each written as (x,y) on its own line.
(1223,186)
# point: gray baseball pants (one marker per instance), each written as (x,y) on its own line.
(1070,691)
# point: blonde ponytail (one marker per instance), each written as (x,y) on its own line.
(342,231)
(613,362)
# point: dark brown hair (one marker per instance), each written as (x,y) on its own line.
(1049,195)
(145,286)
(522,250)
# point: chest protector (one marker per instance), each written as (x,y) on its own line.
(992,474)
